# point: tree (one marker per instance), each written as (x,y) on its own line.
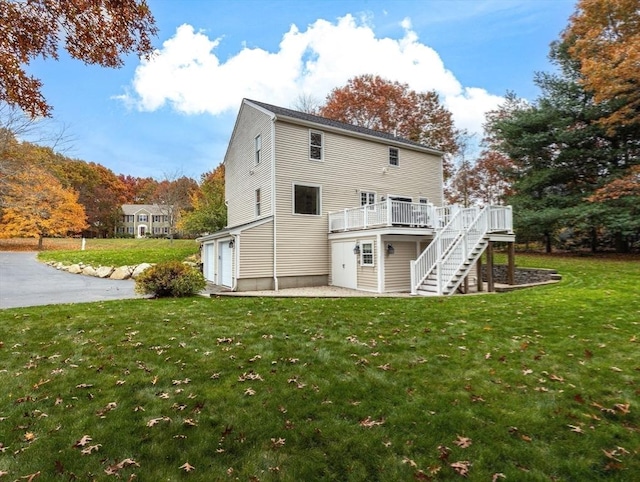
(462,185)
(36,205)
(96,32)
(209,212)
(493,177)
(375,103)
(604,37)
(173,196)
(138,190)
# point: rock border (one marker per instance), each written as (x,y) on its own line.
(110,272)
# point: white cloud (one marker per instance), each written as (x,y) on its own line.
(187,74)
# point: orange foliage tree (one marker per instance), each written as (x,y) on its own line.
(382,105)
(36,205)
(209,212)
(604,36)
(96,32)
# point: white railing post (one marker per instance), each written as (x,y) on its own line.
(365,216)
(412,267)
(389,212)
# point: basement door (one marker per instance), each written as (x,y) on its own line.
(225,264)
(344,265)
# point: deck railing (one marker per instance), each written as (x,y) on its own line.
(384,213)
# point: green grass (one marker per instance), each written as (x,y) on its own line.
(124,252)
(544,382)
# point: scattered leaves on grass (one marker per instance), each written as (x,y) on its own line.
(369,422)
(115,468)
(461,467)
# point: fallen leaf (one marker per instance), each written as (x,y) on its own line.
(462,442)
(575,428)
(498,476)
(90,449)
(369,422)
(461,467)
(279,442)
(187,467)
(83,441)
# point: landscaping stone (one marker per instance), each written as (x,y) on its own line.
(89,271)
(104,271)
(139,269)
(73,269)
(123,272)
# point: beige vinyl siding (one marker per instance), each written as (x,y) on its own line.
(242,175)
(350,165)
(256,252)
(397,271)
(368,275)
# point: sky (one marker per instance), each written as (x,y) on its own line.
(172,115)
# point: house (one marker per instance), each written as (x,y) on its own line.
(140,220)
(313,202)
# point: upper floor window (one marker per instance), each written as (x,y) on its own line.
(315,145)
(306,199)
(394,156)
(423,200)
(367,197)
(128,218)
(258,143)
(143,217)
(257,202)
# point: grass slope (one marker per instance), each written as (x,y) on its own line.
(539,384)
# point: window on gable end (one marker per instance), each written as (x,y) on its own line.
(316,145)
(257,202)
(394,156)
(258,148)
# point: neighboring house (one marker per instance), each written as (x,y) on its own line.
(141,220)
(313,202)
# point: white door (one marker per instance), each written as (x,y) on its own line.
(225,264)
(208,260)
(344,265)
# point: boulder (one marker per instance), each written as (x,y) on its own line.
(139,269)
(123,272)
(73,269)
(89,271)
(104,271)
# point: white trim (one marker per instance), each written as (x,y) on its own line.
(273,201)
(397,156)
(293,197)
(381,263)
(257,149)
(363,191)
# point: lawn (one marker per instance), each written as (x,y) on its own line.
(534,385)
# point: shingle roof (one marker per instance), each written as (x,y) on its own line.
(324,121)
(135,208)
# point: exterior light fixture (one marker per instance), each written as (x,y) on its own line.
(390,249)
(356,249)
(231,244)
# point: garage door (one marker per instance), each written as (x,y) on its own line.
(208,251)
(225,265)
(343,265)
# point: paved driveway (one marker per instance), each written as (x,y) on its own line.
(26,282)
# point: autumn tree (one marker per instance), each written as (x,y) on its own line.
(138,190)
(173,196)
(392,107)
(209,212)
(493,177)
(603,36)
(97,32)
(36,205)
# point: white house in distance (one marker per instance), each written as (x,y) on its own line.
(312,201)
(142,220)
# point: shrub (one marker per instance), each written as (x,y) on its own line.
(170,278)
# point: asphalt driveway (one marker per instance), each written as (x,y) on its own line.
(26,282)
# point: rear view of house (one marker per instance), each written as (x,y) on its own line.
(313,202)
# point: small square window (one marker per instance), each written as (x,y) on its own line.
(366,257)
(394,156)
(306,199)
(367,197)
(315,145)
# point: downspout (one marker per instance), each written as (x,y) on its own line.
(273,202)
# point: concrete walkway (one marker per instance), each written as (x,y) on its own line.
(26,282)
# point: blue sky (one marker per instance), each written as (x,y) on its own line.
(173,115)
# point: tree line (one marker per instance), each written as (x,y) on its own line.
(567,162)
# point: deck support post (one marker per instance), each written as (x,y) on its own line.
(479,272)
(511,269)
(490,283)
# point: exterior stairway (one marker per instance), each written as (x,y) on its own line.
(444,264)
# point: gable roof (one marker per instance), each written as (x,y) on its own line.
(337,125)
(136,208)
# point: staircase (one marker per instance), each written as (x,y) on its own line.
(444,264)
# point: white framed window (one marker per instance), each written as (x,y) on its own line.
(143,217)
(367,197)
(423,200)
(366,253)
(130,230)
(258,147)
(394,156)
(257,202)
(316,148)
(307,199)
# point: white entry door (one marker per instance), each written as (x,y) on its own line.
(225,264)
(344,265)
